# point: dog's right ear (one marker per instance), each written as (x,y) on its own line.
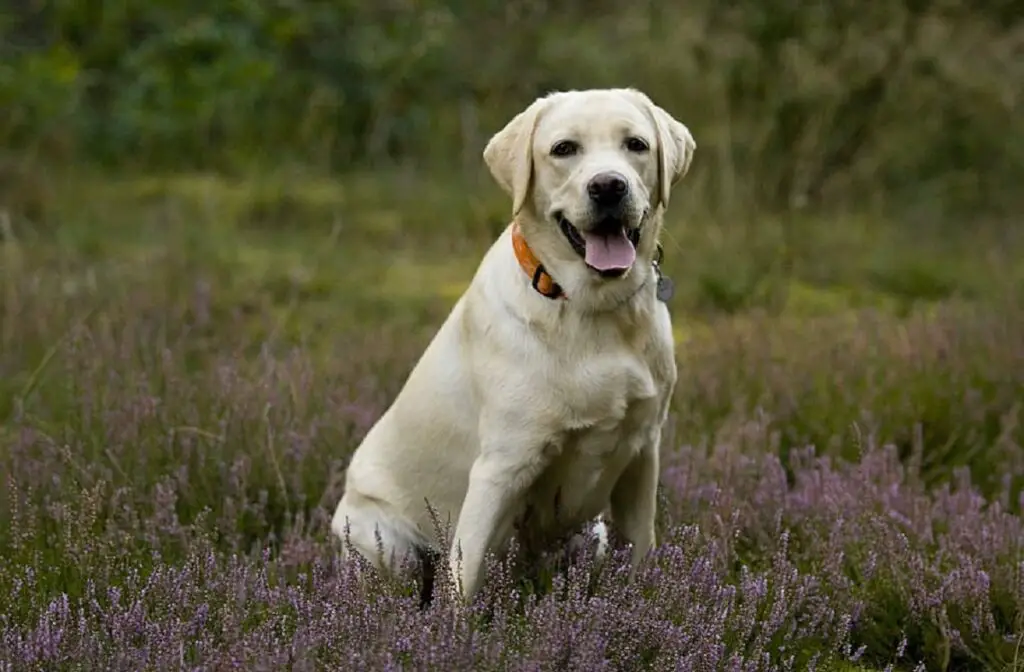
(509,154)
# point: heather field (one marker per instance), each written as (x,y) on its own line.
(228,230)
(187,362)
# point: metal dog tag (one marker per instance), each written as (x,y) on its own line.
(665,289)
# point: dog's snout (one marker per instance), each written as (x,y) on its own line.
(607,189)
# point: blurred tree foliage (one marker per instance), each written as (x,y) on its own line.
(792,103)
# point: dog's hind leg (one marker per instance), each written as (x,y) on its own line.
(365,524)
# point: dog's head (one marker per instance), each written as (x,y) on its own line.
(590,173)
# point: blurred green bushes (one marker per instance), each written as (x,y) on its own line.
(793,104)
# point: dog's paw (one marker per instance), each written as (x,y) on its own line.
(600,530)
(595,536)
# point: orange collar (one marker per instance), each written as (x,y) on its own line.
(540,279)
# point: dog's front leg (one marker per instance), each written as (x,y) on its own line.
(634,501)
(497,480)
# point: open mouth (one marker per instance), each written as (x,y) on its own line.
(609,247)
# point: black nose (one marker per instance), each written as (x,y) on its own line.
(607,189)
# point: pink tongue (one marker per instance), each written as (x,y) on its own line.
(610,251)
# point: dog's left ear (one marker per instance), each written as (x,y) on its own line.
(509,154)
(675,146)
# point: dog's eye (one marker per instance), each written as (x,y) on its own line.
(637,145)
(564,148)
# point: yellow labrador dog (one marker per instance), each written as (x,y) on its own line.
(538,406)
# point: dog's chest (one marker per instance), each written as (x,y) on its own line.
(605,429)
(577,483)
(601,392)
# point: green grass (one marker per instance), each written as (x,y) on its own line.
(328,246)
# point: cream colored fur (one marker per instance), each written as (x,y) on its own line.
(522,403)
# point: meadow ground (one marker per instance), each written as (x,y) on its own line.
(187,362)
